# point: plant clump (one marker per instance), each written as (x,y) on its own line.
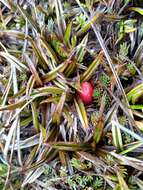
(71,95)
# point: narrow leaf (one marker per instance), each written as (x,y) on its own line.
(58,111)
(81,112)
(68,33)
(90,70)
(35,116)
(89,24)
(70,146)
(137,9)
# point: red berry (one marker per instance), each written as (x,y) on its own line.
(86,92)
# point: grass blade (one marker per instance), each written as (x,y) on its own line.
(58,111)
(68,33)
(81,112)
(90,70)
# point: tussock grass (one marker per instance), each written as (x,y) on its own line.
(48,138)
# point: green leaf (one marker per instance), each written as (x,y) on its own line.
(35,116)
(58,111)
(131,148)
(117,137)
(48,90)
(3,169)
(136,107)
(68,33)
(53,74)
(98,131)
(26,121)
(90,70)
(135,93)
(70,146)
(81,112)
(136,9)
(13,106)
(121,180)
(43,131)
(31,156)
(81,49)
(88,24)
(73,41)
(50,51)
(71,67)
